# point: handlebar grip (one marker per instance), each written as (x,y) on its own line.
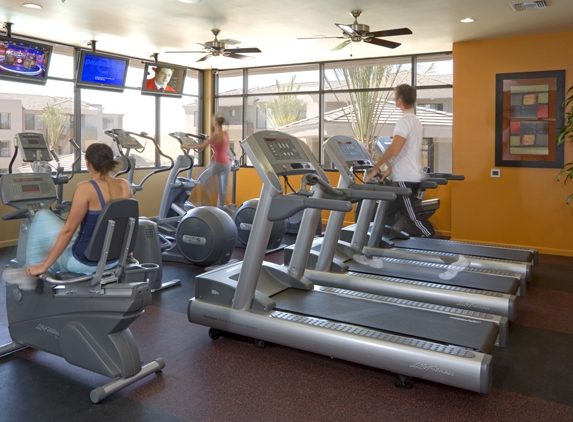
(364,194)
(430,184)
(15,214)
(437,180)
(328,204)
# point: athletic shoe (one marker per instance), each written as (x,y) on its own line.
(19,277)
(461,264)
(130,260)
(375,262)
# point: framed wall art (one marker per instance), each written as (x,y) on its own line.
(529,115)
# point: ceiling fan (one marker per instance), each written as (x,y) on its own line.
(219,48)
(357,32)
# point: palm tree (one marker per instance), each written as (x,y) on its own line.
(364,105)
(284,109)
(55,122)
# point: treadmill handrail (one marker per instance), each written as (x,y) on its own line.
(447,176)
(355,195)
(382,188)
(285,206)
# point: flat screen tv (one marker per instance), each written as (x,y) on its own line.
(101,71)
(24,61)
(163,79)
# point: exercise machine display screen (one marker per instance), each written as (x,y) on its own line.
(125,140)
(34,147)
(282,149)
(351,151)
(36,189)
(28,189)
(185,139)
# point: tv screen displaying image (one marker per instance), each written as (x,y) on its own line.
(163,79)
(24,61)
(102,71)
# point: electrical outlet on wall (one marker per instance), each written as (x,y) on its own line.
(495,173)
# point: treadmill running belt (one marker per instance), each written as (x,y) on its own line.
(448,329)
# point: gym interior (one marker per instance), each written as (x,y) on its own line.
(233,377)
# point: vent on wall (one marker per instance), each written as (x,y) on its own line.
(530,5)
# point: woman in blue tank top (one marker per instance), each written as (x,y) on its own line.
(53,244)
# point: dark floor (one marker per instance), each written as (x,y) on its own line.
(227,380)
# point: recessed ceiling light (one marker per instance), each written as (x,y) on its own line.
(32,5)
(467,20)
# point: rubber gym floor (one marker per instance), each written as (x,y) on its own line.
(232,380)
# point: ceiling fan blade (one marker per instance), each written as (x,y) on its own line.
(202,59)
(319,38)
(203,45)
(383,43)
(230,41)
(391,32)
(341,45)
(185,51)
(238,56)
(243,50)
(348,29)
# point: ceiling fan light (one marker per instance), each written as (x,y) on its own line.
(32,6)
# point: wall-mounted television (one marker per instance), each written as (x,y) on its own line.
(24,61)
(101,71)
(163,79)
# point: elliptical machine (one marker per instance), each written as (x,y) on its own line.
(245,215)
(202,236)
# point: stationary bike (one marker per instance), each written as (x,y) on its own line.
(83,318)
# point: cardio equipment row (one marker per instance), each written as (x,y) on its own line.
(402,325)
(280,304)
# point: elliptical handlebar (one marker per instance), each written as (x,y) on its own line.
(116,135)
(184,140)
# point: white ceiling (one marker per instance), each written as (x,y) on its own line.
(140,27)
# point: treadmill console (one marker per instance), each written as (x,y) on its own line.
(287,155)
(125,140)
(280,154)
(347,155)
(34,191)
(353,152)
(382,144)
(33,147)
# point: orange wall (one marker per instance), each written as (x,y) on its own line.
(525,206)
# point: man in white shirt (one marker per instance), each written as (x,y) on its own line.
(403,160)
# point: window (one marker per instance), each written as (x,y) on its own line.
(433,106)
(108,123)
(4,120)
(33,122)
(5,149)
(261,118)
(100,110)
(352,98)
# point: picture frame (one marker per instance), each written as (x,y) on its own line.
(529,115)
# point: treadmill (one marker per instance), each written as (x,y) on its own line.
(347,154)
(488,251)
(272,303)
